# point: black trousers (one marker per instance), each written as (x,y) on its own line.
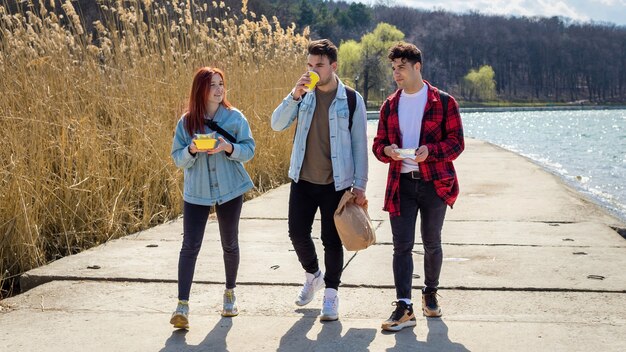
(304,200)
(417,195)
(194,222)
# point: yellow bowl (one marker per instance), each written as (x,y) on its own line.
(205,144)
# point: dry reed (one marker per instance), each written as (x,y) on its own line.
(87,116)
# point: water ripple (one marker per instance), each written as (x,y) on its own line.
(583,147)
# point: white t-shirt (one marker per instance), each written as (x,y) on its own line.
(410,115)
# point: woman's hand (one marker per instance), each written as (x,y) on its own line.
(222,146)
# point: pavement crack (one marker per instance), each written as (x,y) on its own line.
(264,218)
(559,222)
(506,245)
(345,285)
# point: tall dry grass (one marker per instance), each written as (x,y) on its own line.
(87,118)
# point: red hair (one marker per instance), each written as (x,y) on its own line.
(198,97)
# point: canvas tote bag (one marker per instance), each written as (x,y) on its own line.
(353,224)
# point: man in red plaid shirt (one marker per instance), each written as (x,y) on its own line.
(419,141)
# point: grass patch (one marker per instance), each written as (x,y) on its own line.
(87,119)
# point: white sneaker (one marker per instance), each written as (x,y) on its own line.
(330,306)
(311,285)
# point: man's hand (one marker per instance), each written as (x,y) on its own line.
(389,151)
(421,154)
(360,199)
(299,89)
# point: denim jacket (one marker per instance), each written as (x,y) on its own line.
(348,147)
(218,178)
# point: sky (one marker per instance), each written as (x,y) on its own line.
(613,11)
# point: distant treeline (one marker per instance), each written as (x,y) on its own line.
(534,59)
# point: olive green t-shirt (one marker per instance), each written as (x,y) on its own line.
(317,167)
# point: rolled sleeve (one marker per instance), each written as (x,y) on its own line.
(243,150)
(180,147)
(359,145)
(285,113)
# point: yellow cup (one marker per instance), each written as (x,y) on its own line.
(205,144)
(314,79)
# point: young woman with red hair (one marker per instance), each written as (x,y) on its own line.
(212,178)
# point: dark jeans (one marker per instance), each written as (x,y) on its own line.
(304,200)
(417,195)
(194,222)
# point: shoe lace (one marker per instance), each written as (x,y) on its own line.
(400,310)
(431,299)
(229,297)
(329,303)
(307,287)
(182,308)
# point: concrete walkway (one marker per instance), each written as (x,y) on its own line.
(529,266)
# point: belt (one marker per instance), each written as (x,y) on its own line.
(413,175)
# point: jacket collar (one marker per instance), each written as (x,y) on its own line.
(432,98)
(220,114)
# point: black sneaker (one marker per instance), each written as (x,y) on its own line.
(401,318)
(430,306)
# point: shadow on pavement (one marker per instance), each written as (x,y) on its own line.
(436,340)
(328,339)
(214,341)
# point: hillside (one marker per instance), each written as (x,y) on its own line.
(534,59)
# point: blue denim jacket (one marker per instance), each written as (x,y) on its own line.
(348,147)
(218,178)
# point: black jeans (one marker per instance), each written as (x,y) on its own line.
(417,195)
(304,200)
(194,222)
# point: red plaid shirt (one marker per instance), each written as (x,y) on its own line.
(444,140)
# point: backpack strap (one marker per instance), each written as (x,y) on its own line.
(444,102)
(387,108)
(351,95)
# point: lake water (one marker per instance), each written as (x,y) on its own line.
(586,148)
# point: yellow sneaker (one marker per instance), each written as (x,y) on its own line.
(180,317)
(230,304)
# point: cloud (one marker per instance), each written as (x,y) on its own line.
(579,10)
(610,2)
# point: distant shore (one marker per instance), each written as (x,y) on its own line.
(373,114)
(543,108)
